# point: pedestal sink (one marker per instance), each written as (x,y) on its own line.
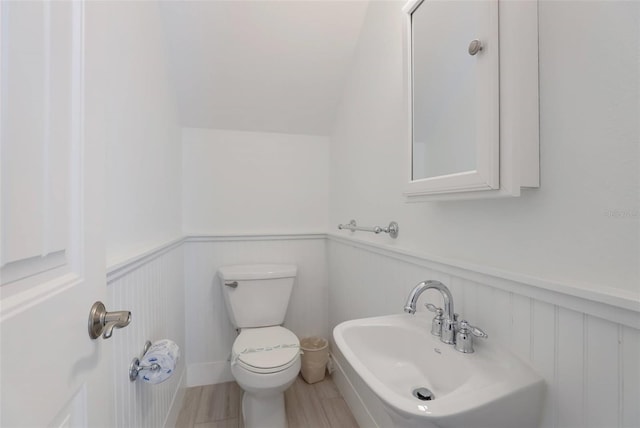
(423,382)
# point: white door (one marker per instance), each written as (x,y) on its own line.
(52,250)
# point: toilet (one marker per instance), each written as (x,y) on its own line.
(265,357)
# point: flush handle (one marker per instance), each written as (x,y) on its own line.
(233,284)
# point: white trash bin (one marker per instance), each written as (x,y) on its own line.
(314,358)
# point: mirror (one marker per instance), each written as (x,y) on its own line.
(453,89)
(443,91)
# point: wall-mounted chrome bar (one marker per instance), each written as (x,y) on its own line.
(392,229)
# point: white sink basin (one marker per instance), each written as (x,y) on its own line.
(397,354)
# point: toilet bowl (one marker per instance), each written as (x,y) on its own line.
(265,357)
(264,373)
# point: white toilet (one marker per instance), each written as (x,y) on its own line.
(265,358)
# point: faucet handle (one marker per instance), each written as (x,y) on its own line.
(478,332)
(436,324)
(464,337)
(434,308)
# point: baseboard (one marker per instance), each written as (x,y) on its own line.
(351,396)
(208,373)
(176,403)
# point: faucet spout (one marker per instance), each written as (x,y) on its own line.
(412,300)
(449,325)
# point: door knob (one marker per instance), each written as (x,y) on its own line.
(102,322)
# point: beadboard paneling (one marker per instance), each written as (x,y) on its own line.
(591,365)
(630,377)
(152,288)
(208,329)
(602,375)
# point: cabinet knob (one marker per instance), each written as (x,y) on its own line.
(474,47)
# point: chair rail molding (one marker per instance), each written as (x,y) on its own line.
(608,303)
(604,302)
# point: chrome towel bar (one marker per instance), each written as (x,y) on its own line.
(392,229)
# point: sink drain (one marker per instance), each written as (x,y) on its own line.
(423,394)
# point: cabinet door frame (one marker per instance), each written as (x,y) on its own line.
(512,161)
(486,176)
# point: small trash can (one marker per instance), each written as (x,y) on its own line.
(314,358)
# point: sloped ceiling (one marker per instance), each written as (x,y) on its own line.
(267,66)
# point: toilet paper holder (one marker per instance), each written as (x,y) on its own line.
(135,368)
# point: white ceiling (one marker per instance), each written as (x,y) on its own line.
(270,66)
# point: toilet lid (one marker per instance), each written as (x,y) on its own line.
(266,348)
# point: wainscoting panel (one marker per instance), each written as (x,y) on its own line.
(152,288)
(591,365)
(209,332)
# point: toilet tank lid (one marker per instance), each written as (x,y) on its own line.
(257,271)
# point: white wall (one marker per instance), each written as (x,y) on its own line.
(581,228)
(247,182)
(136,117)
(580,231)
(140,125)
(247,197)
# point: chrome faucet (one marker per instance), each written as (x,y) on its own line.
(448,332)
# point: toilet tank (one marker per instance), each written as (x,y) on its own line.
(261,296)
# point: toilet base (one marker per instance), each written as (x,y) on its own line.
(264,411)
(263,394)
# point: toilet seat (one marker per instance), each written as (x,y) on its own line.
(266,349)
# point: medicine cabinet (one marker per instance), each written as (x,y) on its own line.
(473,98)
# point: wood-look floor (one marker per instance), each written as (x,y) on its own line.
(308,406)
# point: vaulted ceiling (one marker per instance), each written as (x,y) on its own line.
(269,66)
